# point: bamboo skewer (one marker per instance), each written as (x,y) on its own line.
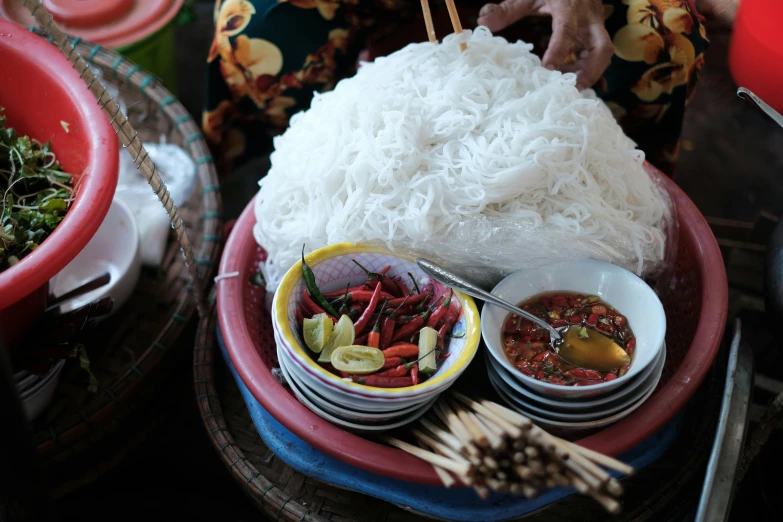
(432,458)
(492,448)
(600,458)
(425,7)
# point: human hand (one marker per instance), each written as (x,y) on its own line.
(577,28)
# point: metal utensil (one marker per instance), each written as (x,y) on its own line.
(744,93)
(456,282)
(89,286)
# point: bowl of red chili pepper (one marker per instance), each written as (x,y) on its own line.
(613,324)
(368,329)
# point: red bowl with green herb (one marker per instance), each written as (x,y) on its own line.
(45,99)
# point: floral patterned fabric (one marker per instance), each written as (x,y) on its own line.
(269,56)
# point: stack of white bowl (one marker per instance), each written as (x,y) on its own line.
(583,408)
(340,401)
(35,391)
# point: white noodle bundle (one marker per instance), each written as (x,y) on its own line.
(483,158)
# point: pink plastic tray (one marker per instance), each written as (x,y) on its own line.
(695,301)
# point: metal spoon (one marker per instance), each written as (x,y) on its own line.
(452,280)
(744,93)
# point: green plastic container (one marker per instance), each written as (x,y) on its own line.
(155,54)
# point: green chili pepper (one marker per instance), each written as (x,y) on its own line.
(312,287)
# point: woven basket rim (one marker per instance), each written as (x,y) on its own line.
(119,69)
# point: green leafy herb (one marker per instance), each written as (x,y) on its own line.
(84,362)
(36,194)
(583,333)
(257,279)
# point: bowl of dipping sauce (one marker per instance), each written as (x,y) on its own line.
(612,322)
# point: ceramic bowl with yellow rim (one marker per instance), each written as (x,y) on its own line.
(334,269)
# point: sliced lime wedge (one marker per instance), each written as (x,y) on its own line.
(342,335)
(317,331)
(359,360)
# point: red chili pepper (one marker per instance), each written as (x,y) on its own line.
(374,337)
(404,292)
(540,375)
(415,375)
(541,357)
(402,350)
(581,373)
(623,370)
(593,375)
(620,320)
(340,293)
(592,319)
(346,375)
(560,301)
(313,307)
(390,287)
(610,377)
(441,341)
(361,340)
(631,346)
(416,324)
(606,328)
(391,362)
(440,312)
(575,319)
(299,316)
(410,299)
(557,323)
(397,371)
(365,317)
(556,380)
(380,381)
(387,331)
(365,296)
(598,309)
(444,356)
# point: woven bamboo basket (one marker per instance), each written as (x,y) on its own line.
(665,490)
(132,352)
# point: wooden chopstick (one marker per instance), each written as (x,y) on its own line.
(455,23)
(425,7)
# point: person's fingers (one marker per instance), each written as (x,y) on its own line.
(564,33)
(599,56)
(497,17)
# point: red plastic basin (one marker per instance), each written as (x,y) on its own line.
(695,301)
(44,98)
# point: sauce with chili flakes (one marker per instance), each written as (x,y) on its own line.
(527,347)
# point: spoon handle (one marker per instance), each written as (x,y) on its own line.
(742,92)
(452,280)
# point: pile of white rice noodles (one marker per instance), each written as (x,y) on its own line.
(483,159)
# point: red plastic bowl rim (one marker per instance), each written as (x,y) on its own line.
(95,192)
(394,463)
